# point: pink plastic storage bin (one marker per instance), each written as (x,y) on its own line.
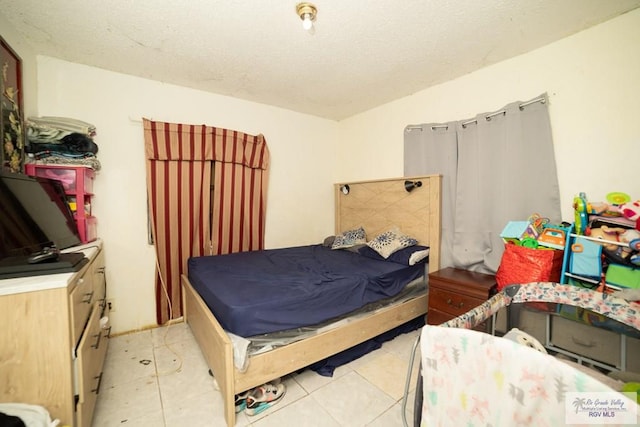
(75,179)
(77,182)
(87,228)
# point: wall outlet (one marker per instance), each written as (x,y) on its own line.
(111,305)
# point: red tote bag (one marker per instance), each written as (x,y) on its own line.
(520,264)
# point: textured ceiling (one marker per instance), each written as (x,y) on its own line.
(363,53)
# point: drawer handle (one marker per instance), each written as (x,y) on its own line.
(100,270)
(97,389)
(459,305)
(97,336)
(583,343)
(88,297)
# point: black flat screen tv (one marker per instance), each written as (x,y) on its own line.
(34,214)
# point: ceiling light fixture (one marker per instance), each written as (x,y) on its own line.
(307,12)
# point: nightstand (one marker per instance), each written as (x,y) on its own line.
(453,292)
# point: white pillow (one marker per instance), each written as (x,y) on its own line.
(350,238)
(391,241)
(418,256)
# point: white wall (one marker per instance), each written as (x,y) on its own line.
(302,147)
(593,82)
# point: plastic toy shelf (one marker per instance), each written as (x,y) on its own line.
(585,264)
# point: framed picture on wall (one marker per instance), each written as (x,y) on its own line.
(11,109)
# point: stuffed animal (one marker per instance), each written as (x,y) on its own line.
(631,211)
(630,239)
(608,235)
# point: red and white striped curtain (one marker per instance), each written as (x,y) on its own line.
(185,221)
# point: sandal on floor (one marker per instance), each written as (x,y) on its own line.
(241,401)
(264,397)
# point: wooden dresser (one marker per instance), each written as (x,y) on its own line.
(52,340)
(453,292)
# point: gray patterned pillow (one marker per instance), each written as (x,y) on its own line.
(350,238)
(391,241)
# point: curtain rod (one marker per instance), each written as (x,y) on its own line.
(488,117)
(541,100)
(434,127)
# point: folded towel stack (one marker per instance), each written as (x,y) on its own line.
(61,140)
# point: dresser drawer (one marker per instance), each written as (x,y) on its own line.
(436,317)
(464,282)
(90,359)
(633,354)
(450,302)
(534,323)
(81,302)
(99,280)
(584,340)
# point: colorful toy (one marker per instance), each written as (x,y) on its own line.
(607,236)
(517,231)
(618,205)
(612,207)
(622,242)
(617,198)
(552,238)
(631,210)
(581,210)
(514,231)
(603,209)
(632,239)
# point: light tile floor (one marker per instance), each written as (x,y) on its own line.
(159,377)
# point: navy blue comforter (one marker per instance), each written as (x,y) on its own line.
(253,293)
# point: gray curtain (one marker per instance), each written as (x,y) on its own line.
(496,167)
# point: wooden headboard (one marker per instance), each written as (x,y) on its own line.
(381,204)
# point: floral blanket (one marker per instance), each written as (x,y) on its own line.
(476,379)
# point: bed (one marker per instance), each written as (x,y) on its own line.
(469,376)
(410,204)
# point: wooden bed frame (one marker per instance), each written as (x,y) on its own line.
(374,205)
